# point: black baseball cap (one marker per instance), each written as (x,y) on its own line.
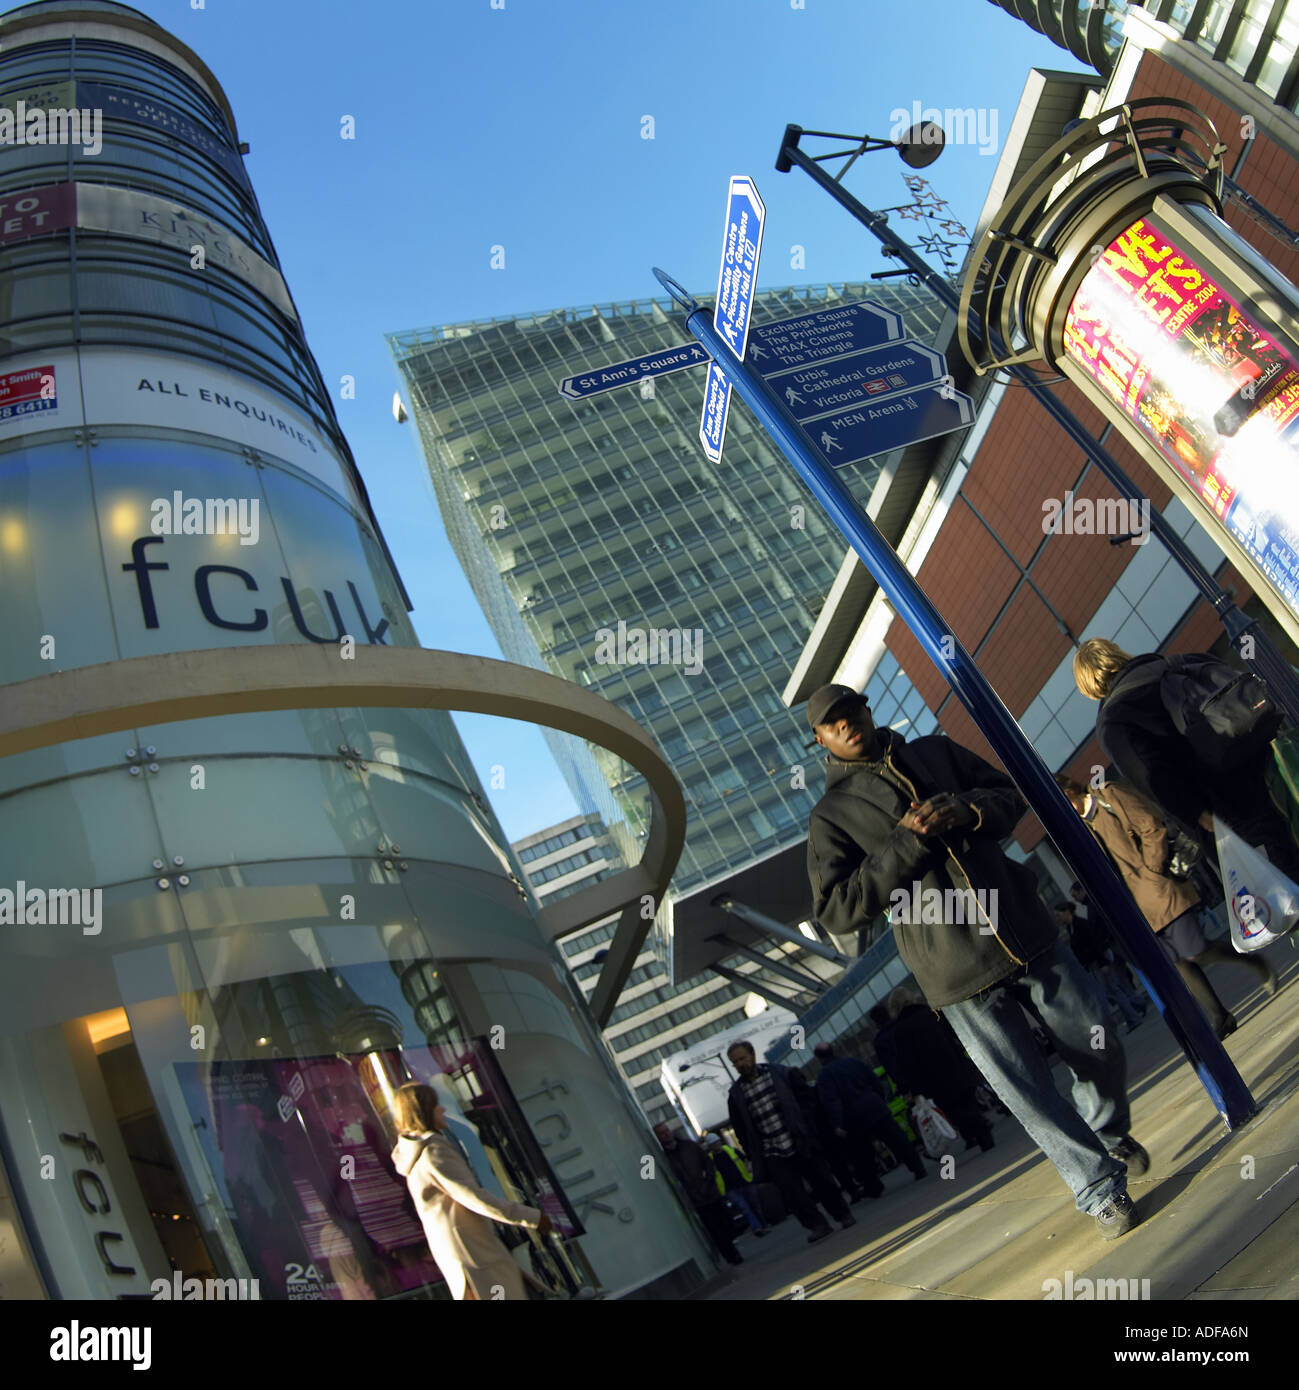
(822,701)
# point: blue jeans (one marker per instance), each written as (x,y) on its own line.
(995,1032)
(746,1199)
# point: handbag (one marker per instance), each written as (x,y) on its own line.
(1183,857)
(1263,904)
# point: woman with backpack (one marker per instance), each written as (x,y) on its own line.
(1129,829)
(1193,735)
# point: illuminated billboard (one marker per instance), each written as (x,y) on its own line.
(1203,382)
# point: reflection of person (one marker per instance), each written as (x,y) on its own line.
(455,1210)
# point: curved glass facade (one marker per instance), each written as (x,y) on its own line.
(223,943)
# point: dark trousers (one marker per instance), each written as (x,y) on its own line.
(1190,952)
(717,1222)
(844,1163)
(963,1110)
(867,1126)
(789,1175)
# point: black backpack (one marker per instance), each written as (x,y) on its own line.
(1227,716)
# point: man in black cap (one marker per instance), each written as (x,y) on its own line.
(915,829)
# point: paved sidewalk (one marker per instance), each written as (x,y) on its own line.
(1220,1209)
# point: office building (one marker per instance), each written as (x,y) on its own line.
(581,524)
(654,1020)
(1255,40)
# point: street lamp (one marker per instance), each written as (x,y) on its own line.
(917,146)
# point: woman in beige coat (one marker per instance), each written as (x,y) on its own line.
(1131,830)
(456,1212)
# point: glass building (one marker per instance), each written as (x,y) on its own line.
(1257,39)
(582,523)
(223,942)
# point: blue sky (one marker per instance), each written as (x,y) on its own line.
(521,127)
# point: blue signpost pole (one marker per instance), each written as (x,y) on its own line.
(1186,1021)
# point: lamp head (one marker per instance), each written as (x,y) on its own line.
(921,145)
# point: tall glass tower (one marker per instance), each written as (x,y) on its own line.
(582,522)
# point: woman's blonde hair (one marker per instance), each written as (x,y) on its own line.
(1095,664)
(899,998)
(413,1107)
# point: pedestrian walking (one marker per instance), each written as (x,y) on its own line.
(885,1048)
(857,1108)
(1131,831)
(1089,942)
(1152,727)
(695,1174)
(902,820)
(769,1110)
(735,1182)
(1082,901)
(454,1209)
(932,1065)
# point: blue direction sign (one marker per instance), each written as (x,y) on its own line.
(823,388)
(876,428)
(717,404)
(741,247)
(827,333)
(736,282)
(597,379)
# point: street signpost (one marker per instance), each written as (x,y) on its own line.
(862,378)
(823,335)
(597,379)
(736,281)
(854,435)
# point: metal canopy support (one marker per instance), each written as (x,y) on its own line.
(748,982)
(769,925)
(778,967)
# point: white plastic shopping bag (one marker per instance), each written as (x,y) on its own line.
(1262,903)
(934,1128)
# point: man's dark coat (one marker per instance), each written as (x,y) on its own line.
(859,858)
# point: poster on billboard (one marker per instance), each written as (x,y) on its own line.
(1206,385)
